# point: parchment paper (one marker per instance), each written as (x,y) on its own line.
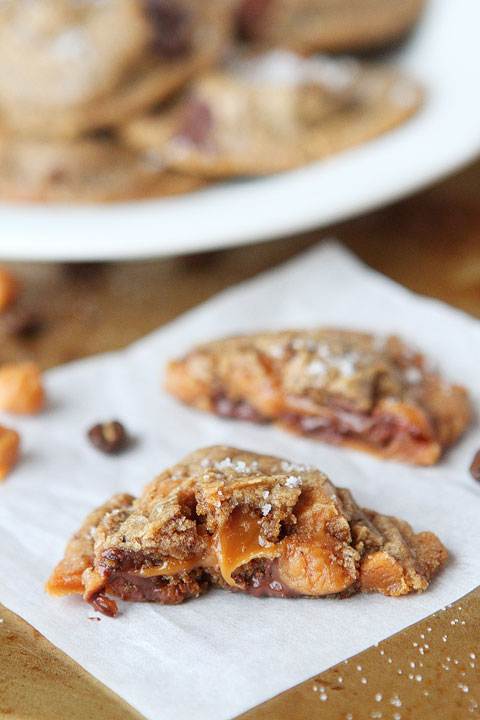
(221,654)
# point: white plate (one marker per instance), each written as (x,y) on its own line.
(444,53)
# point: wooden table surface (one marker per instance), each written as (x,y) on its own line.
(431,244)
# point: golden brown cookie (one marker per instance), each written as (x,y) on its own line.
(308,26)
(273,113)
(88,170)
(67,67)
(246,522)
(345,388)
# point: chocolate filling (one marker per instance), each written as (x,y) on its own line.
(196,122)
(264,580)
(237,409)
(253,18)
(378,431)
(171,28)
(130,587)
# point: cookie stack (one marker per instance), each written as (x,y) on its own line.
(72,71)
(116,99)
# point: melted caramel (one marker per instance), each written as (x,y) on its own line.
(239,541)
(310,565)
(170,566)
(380,572)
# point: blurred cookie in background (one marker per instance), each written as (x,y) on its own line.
(86,170)
(272,113)
(68,67)
(308,26)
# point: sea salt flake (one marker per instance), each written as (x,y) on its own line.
(293,481)
(275,585)
(413,375)
(276,351)
(73,44)
(266,509)
(224,464)
(316,367)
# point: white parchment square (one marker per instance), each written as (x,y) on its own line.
(221,654)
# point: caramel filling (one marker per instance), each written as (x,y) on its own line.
(310,562)
(239,541)
(312,566)
(170,566)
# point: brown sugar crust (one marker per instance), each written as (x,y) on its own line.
(246,522)
(345,388)
(61,75)
(326,25)
(87,170)
(242,121)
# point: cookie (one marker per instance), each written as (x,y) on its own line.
(308,26)
(88,170)
(67,67)
(274,113)
(245,522)
(345,388)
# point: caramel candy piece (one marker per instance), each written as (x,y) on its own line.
(8,288)
(9,450)
(21,389)
(246,522)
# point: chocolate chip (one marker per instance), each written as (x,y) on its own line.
(238,409)
(252,18)
(196,122)
(171,26)
(475,467)
(109,437)
(21,322)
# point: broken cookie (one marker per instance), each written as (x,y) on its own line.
(346,388)
(326,25)
(246,522)
(272,113)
